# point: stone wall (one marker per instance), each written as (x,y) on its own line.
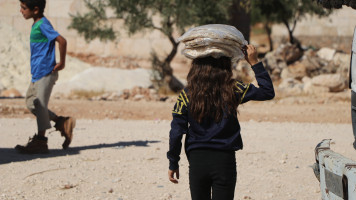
(339,24)
(334,31)
(58,12)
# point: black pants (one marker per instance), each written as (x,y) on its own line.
(212,174)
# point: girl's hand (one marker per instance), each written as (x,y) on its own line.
(171,175)
(251,54)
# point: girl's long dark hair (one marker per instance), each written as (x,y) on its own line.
(211,89)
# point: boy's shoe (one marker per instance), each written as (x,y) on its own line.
(35,145)
(65,125)
(354,144)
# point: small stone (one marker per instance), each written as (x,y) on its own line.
(282,161)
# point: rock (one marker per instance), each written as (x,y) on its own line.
(342,64)
(342,59)
(326,53)
(274,65)
(313,64)
(113,96)
(335,82)
(166,196)
(291,86)
(289,53)
(309,88)
(306,79)
(138,97)
(99,79)
(11,93)
(296,70)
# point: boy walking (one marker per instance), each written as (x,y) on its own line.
(44,70)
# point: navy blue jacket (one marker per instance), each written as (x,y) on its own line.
(224,135)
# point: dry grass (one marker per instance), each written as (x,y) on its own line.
(85,94)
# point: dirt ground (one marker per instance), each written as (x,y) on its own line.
(326,108)
(119,150)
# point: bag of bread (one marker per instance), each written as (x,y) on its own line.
(214,40)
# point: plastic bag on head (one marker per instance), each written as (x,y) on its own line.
(214,40)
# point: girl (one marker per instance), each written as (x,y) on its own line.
(206,111)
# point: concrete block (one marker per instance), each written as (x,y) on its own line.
(135,47)
(62,27)
(60,8)
(10,8)
(76,6)
(71,43)
(111,49)
(95,46)
(7,20)
(22,25)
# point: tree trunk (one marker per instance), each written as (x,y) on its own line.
(167,72)
(269,33)
(240,17)
(290,33)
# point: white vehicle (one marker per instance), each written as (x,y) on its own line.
(337,174)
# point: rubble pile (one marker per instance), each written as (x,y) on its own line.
(315,71)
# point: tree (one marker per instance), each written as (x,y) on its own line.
(175,16)
(287,12)
(329,4)
(240,16)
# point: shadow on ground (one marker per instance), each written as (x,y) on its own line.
(8,155)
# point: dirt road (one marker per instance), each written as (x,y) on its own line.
(117,155)
(125,159)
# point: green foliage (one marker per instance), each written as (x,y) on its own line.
(138,16)
(288,12)
(279,11)
(91,25)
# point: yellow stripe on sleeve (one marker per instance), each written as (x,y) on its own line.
(238,88)
(180,95)
(243,95)
(186,97)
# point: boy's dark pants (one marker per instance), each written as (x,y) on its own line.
(212,174)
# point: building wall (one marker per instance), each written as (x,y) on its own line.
(341,23)
(58,12)
(334,31)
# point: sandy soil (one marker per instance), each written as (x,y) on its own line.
(119,148)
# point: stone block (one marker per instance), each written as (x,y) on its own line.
(10,8)
(7,20)
(95,46)
(60,8)
(62,27)
(22,25)
(71,43)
